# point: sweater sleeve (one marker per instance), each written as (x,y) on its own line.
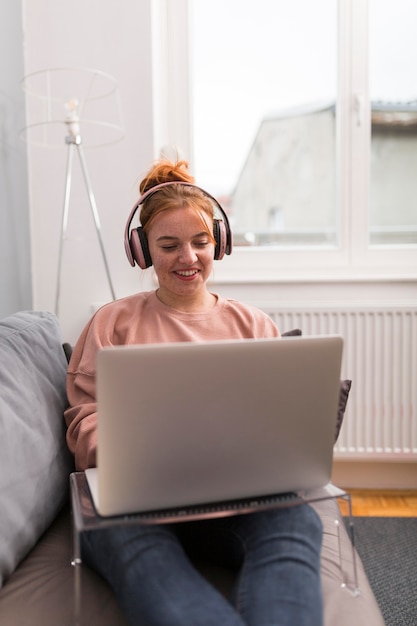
(111,325)
(81,416)
(81,419)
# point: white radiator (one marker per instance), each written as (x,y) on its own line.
(380,356)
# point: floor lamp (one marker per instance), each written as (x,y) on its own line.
(85,104)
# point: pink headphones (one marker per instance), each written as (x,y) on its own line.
(136,241)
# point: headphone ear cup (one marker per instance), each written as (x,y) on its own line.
(139,248)
(220,237)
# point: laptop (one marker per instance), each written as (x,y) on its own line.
(192,430)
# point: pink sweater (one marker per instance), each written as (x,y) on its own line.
(137,319)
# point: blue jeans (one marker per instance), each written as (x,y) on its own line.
(275,554)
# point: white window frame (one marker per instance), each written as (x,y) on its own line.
(353,257)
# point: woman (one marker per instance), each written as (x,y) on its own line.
(276,554)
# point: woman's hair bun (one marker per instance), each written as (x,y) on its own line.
(165,171)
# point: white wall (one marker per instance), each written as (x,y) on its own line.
(114,37)
(15,272)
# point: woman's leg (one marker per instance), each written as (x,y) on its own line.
(154,582)
(279,582)
(277,554)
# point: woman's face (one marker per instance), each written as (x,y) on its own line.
(182,255)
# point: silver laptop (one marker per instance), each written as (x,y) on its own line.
(188,430)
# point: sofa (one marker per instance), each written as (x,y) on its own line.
(38,585)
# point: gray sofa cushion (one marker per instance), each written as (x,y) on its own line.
(34,461)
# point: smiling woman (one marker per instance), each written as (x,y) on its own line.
(280,546)
(179,235)
(182,257)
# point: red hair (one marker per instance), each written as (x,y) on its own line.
(165,171)
(173,196)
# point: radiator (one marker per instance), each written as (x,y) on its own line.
(380,356)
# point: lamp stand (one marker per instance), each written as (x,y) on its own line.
(73,141)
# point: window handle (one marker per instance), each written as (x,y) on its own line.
(359,108)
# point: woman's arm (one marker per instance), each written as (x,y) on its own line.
(81,419)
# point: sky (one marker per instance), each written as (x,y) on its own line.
(254,58)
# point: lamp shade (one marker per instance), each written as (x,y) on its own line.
(72,101)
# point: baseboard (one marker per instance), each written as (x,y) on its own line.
(374,474)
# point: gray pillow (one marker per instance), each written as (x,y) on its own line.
(34,461)
(345,386)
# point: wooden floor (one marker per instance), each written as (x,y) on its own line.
(382,503)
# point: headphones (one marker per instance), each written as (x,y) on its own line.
(136,241)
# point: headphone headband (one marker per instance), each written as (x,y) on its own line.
(136,241)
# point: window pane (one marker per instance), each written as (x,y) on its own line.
(393,61)
(264,94)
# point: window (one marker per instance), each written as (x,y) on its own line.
(285,129)
(264,87)
(393,185)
